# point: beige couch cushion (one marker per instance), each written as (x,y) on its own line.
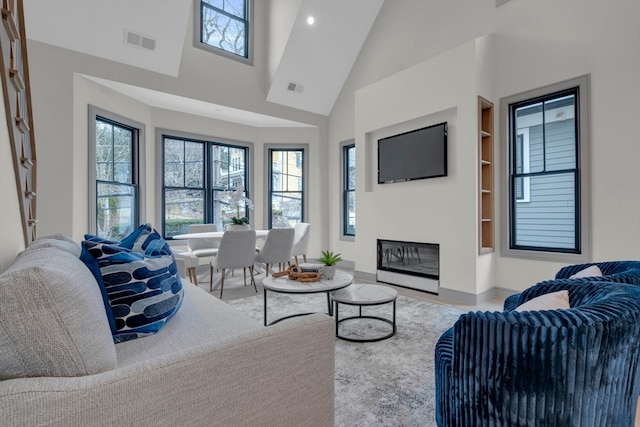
(59,241)
(202,320)
(52,318)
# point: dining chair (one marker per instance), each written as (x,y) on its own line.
(187,263)
(277,248)
(301,240)
(237,250)
(200,247)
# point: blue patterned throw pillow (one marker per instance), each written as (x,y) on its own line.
(141,280)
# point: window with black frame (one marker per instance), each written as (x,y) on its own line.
(545,173)
(224,27)
(286,187)
(116,178)
(196,174)
(349,190)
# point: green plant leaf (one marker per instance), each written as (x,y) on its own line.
(329,258)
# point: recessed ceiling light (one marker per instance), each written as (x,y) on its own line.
(311,20)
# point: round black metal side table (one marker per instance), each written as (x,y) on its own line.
(362,295)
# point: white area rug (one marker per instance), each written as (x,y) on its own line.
(385,383)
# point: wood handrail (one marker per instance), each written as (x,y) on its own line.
(17,104)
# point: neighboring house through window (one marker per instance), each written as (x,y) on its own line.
(116,155)
(225,27)
(548,208)
(348,176)
(286,187)
(194,174)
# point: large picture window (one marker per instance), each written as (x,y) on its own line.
(547,204)
(223,27)
(195,174)
(286,186)
(115,155)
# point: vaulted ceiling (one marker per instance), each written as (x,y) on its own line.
(317,58)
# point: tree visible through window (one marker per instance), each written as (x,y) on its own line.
(286,187)
(116,148)
(224,25)
(349,190)
(195,173)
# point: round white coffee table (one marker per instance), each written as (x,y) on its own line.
(361,295)
(285,286)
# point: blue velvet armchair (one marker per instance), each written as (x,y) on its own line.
(612,271)
(575,367)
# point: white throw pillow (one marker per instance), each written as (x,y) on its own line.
(552,301)
(591,271)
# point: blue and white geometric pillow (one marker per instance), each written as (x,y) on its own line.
(141,281)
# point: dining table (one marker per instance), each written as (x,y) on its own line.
(215,235)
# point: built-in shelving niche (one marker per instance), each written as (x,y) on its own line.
(17,103)
(486,193)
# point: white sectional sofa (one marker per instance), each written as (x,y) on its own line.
(208,366)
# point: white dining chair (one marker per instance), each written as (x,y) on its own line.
(200,247)
(237,250)
(277,248)
(187,263)
(301,240)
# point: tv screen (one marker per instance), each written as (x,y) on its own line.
(418,154)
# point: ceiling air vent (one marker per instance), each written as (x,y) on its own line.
(295,87)
(139,40)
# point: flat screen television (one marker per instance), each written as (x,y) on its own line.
(417,154)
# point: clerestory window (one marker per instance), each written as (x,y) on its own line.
(225,27)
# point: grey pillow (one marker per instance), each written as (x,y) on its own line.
(52,318)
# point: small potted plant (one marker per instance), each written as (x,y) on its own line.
(329,259)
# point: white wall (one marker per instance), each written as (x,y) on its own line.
(438,210)
(532,44)
(11,233)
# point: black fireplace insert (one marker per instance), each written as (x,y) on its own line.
(413,258)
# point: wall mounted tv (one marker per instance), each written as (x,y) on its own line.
(417,154)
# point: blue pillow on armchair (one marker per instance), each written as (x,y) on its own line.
(141,280)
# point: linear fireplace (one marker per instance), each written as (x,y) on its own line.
(409,264)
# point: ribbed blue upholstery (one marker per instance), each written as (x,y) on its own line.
(576,367)
(612,271)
